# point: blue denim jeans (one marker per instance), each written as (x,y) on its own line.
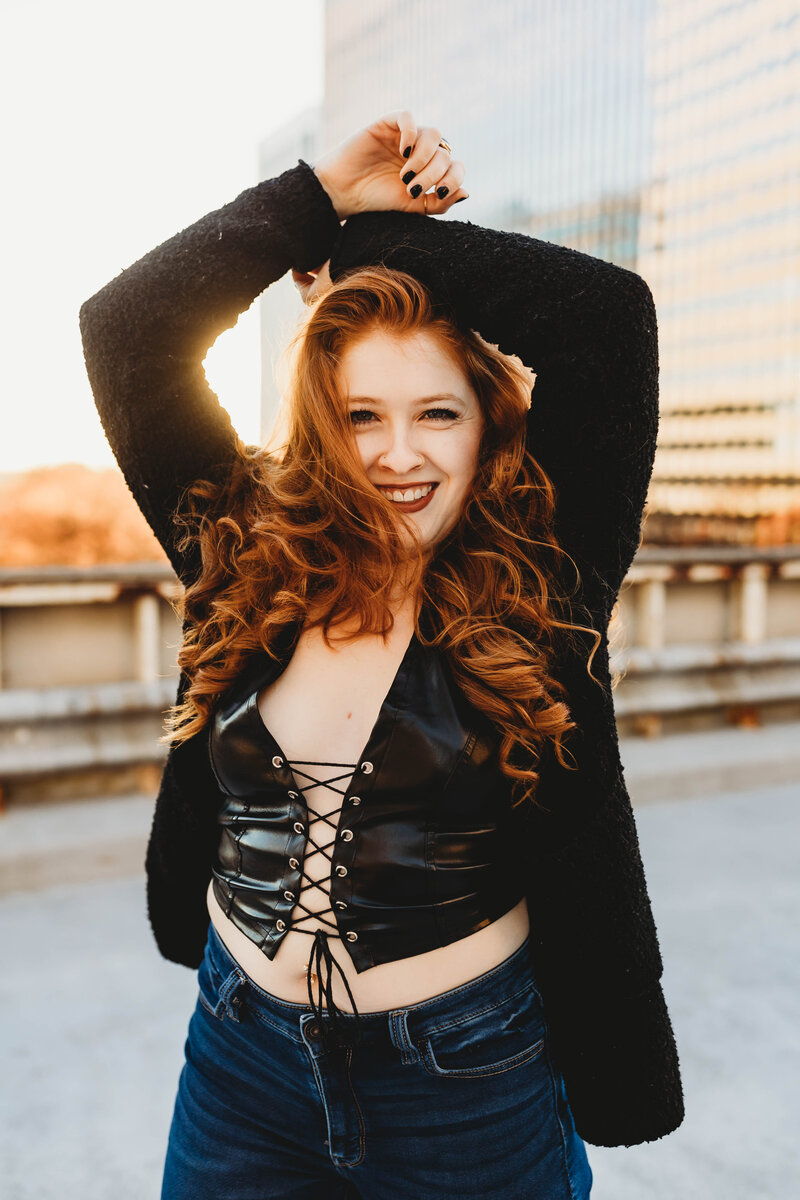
(454,1097)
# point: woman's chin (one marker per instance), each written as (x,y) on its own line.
(421,533)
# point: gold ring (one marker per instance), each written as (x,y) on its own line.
(446,145)
(425,202)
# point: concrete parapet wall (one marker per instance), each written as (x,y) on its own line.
(699,638)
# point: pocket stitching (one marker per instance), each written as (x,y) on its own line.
(431,1065)
(479,1012)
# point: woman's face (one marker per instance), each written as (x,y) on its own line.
(417,425)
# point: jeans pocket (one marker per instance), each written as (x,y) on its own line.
(487,1041)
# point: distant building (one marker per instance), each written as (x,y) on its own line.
(546,103)
(659,135)
(720,247)
(280,305)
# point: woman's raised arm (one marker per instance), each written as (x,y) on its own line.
(147,332)
(585,326)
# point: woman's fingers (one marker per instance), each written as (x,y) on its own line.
(425,145)
(431,166)
(401,121)
(436,205)
(408,132)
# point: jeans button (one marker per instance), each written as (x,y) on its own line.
(312,1030)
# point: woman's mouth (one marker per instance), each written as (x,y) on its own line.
(410,499)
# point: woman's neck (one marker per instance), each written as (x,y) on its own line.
(403,606)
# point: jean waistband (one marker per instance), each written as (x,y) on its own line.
(514,974)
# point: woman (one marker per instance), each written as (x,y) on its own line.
(394,732)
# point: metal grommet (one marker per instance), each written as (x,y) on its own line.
(289,895)
(347,835)
(341,871)
(294,863)
(367,768)
(280,925)
(352,937)
(355,799)
(277,761)
(341,904)
(298,827)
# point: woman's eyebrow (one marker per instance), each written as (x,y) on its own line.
(449,397)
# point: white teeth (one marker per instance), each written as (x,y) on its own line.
(408,494)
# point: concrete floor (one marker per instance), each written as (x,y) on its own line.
(93,1021)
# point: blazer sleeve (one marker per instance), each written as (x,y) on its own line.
(586,327)
(146,334)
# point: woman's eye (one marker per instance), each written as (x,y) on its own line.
(446,414)
(363,416)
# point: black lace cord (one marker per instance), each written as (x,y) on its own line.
(332,1032)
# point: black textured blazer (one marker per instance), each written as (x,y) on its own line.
(588,329)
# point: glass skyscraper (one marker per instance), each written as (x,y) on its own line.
(720,246)
(661,135)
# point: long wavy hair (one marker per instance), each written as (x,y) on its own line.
(298,533)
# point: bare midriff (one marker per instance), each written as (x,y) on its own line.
(322,707)
(405,981)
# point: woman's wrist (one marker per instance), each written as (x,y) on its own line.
(337,199)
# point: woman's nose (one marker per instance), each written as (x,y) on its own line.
(400,454)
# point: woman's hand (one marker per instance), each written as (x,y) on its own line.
(311,284)
(365,172)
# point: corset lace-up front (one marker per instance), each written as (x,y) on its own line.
(320,955)
(420,845)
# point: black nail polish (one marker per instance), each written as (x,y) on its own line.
(415,191)
(460,198)
(442,192)
(406,152)
(409,175)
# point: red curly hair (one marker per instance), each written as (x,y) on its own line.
(300,534)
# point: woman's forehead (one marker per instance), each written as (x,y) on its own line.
(381,365)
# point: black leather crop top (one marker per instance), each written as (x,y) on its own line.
(423,853)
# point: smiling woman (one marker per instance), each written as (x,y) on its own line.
(373,360)
(421,454)
(394,731)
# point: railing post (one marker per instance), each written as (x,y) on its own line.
(750,603)
(146,637)
(651,613)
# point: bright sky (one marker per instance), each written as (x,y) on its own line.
(124,123)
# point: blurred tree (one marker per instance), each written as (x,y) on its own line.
(74,516)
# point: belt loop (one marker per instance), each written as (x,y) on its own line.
(229,1003)
(401,1039)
